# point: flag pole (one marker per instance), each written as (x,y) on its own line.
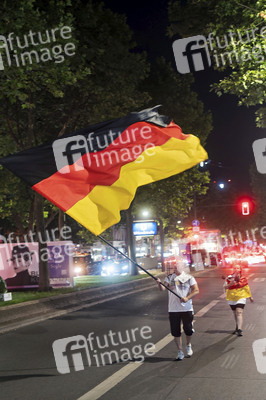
(134,262)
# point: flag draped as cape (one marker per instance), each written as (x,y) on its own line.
(239,290)
(93,174)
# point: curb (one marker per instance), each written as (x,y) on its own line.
(15,315)
(22,314)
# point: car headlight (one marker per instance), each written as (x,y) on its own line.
(108,268)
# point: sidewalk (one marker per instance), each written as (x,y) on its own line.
(18,315)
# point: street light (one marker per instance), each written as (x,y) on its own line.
(145,213)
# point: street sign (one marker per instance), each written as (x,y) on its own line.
(195,222)
(196,228)
(148,228)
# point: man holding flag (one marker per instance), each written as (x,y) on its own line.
(180,308)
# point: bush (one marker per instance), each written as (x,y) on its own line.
(3,288)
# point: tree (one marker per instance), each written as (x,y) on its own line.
(236,37)
(42,100)
(258,184)
(172,198)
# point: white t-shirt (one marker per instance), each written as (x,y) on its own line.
(182,289)
(240,301)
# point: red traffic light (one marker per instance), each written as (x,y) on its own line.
(245,208)
(245,205)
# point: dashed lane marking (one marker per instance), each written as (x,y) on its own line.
(118,376)
(258,279)
(113,380)
(230,361)
(249,327)
(207,308)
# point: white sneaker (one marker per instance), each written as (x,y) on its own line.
(180,355)
(189,350)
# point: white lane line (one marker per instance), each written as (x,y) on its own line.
(118,376)
(259,280)
(110,382)
(250,275)
(205,309)
(222,296)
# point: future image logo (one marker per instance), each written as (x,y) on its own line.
(71,351)
(28,49)
(259,150)
(77,352)
(75,153)
(191,54)
(196,53)
(259,350)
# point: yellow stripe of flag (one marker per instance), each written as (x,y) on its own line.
(100,209)
(237,294)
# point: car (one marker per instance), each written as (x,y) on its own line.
(83,265)
(234,258)
(118,266)
(80,263)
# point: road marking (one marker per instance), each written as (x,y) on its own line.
(259,280)
(260,308)
(118,376)
(110,382)
(250,275)
(230,361)
(205,309)
(222,296)
(250,327)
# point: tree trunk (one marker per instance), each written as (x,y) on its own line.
(44,282)
(60,223)
(131,242)
(161,242)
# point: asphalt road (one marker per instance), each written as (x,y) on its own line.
(223,366)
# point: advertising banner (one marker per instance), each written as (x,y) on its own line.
(19,263)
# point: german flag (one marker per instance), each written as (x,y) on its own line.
(240,290)
(93,174)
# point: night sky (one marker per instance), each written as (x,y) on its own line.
(234,128)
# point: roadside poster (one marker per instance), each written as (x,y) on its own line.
(19,263)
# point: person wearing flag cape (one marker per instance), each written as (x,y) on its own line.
(237,293)
(181,310)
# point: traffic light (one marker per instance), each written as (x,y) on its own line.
(245,208)
(245,205)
